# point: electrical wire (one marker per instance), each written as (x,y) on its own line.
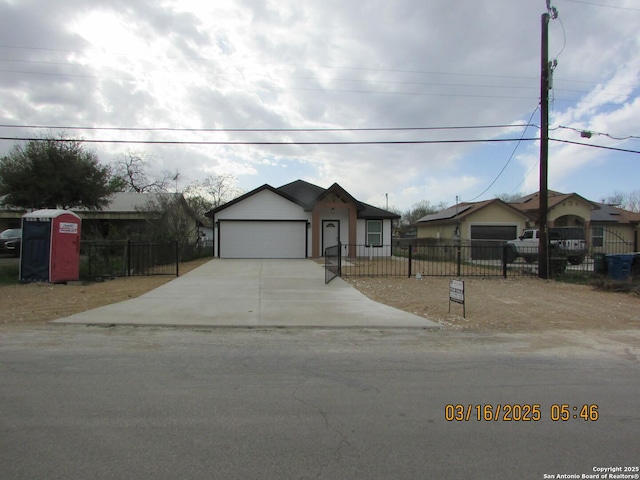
(591,133)
(603,5)
(372,142)
(169,129)
(228,142)
(510,156)
(615,149)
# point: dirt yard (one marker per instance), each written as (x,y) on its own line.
(519,304)
(523,304)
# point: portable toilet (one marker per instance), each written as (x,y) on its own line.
(50,246)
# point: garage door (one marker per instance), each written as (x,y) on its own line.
(262,239)
(486,240)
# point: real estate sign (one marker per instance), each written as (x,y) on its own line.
(456,294)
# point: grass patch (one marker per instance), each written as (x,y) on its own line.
(9,274)
(606,284)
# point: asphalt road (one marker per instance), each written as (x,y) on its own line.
(145,403)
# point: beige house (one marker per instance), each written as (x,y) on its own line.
(608,229)
(614,230)
(490,220)
(565,209)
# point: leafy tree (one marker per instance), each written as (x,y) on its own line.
(55,173)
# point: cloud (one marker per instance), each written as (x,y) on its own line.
(285,65)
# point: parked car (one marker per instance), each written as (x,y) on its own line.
(568,242)
(10,241)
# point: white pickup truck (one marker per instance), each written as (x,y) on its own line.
(566,242)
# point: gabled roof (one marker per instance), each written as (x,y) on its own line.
(310,194)
(462,210)
(307,195)
(532,202)
(239,199)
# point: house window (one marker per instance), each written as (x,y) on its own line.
(597,236)
(374,233)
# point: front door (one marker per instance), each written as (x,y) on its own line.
(330,234)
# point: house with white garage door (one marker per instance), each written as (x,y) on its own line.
(299,220)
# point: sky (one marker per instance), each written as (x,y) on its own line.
(345,88)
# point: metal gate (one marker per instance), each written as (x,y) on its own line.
(332,263)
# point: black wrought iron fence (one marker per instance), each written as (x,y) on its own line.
(422,260)
(126,258)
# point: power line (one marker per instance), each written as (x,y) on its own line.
(228,142)
(594,146)
(169,129)
(590,133)
(510,156)
(603,5)
(371,142)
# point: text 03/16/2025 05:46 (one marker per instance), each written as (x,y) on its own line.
(558,412)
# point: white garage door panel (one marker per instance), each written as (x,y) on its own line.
(262,239)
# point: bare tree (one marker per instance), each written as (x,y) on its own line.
(133,170)
(510,197)
(419,210)
(627,201)
(221,189)
(213,191)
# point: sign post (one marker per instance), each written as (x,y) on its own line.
(456,294)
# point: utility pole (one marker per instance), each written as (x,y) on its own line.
(545,85)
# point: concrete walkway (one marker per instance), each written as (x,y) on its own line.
(252,293)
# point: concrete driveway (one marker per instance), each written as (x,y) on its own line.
(252,293)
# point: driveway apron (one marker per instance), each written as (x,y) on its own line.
(252,293)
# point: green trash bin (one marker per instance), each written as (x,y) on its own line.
(600,264)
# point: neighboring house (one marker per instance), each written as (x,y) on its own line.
(148,215)
(614,230)
(609,229)
(127,214)
(565,209)
(10,217)
(299,220)
(481,224)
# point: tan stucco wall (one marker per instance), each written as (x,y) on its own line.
(617,238)
(431,231)
(570,206)
(489,215)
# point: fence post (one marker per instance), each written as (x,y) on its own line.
(90,258)
(504,260)
(410,250)
(459,254)
(177,259)
(128,254)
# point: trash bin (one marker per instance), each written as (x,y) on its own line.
(50,246)
(619,266)
(599,263)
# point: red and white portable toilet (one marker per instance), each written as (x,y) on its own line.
(50,246)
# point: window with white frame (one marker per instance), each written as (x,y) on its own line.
(374,233)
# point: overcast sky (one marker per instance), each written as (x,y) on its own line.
(335,64)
